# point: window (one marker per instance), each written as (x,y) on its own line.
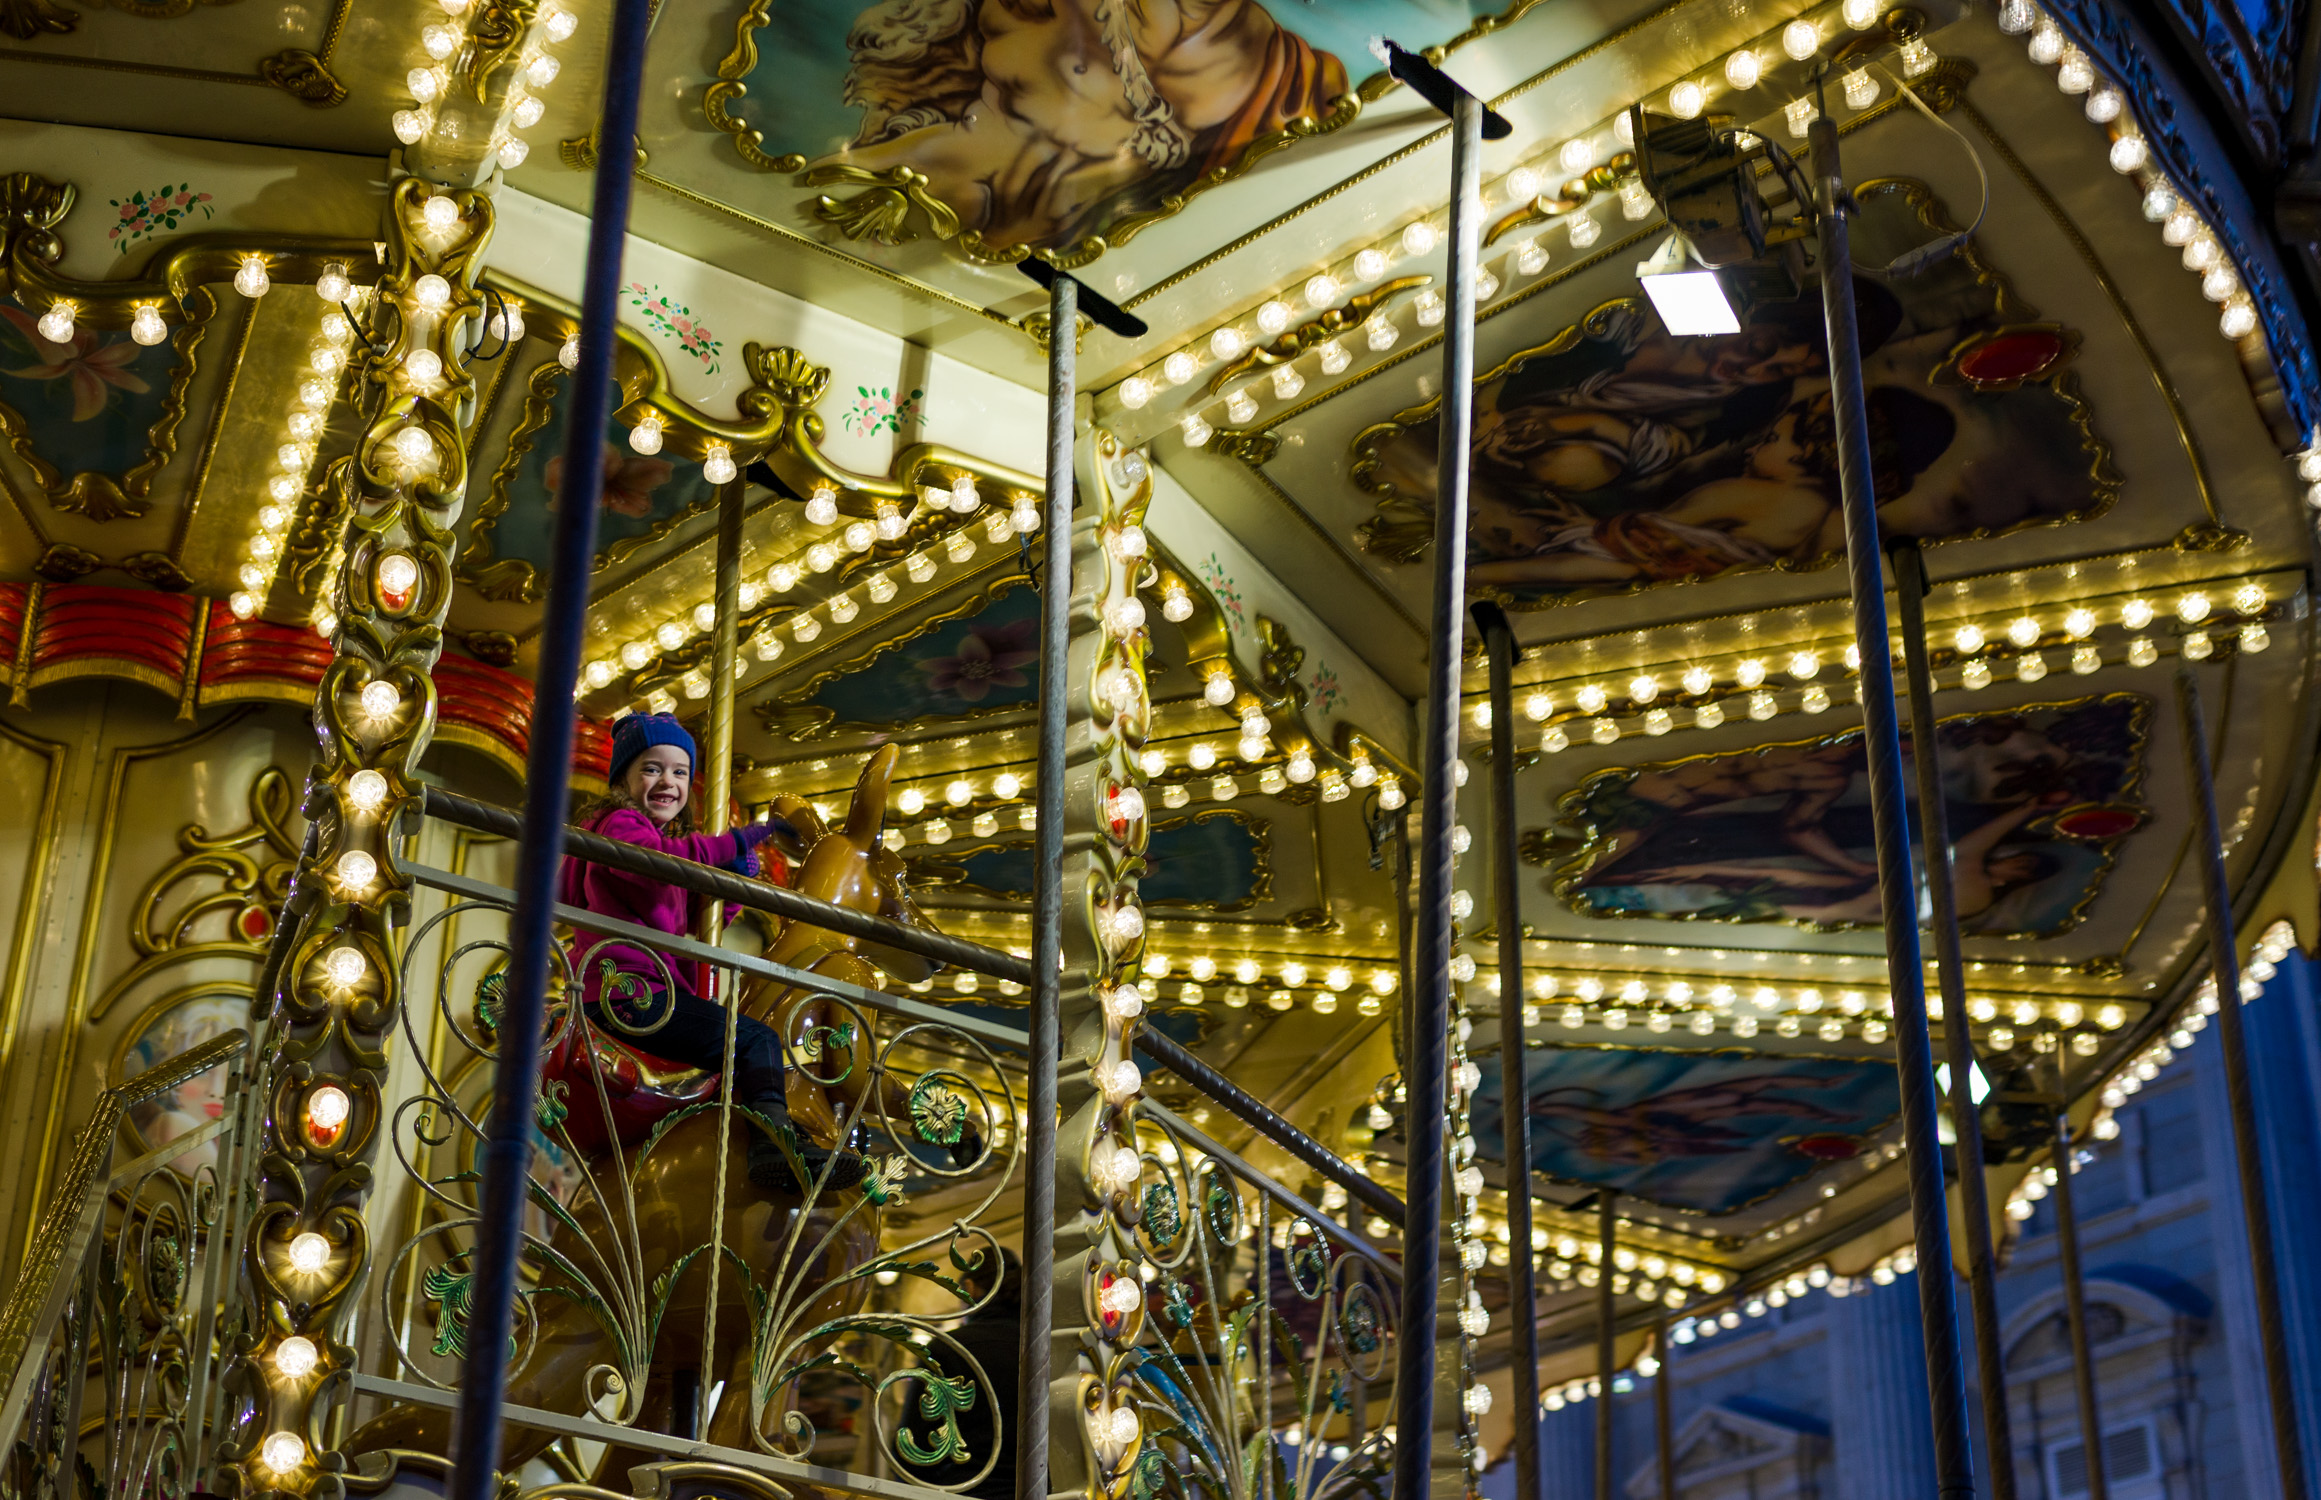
(2131,1466)
(2172,1157)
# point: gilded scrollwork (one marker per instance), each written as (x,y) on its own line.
(339,994)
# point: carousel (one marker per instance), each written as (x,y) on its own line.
(1218,750)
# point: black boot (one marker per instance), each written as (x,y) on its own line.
(771,1167)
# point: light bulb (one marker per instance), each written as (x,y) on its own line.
(327,1108)
(568,352)
(1135,392)
(1273,316)
(381,699)
(2046,44)
(541,71)
(367,793)
(1381,333)
(1228,343)
(1583,230)
(440,213)
(2128,154)
(805,628)
(1429,307)
(282,1452)
(398,573)
(1240,406)
(1125,1427)
(413,446)
(146,325)
(645,437)
(717,465)
(431,292)
(332,285)
(965,497)
(1287,382)
(1743,69)
(1861,15)
(1322,290)
(1861,89)
(251,279)
(560,24)
(528,111)
(2136,613)
(308,1254)
(512,149)
(1195,432)
(357,869)
(2017,16)
(1968,638)
(1578,155)
(56,325)
(1486,284)
(423,367)
(295,1358)
(1686,100)
(1334,358)
(424,83)
(2239,318)
(1531,257)
(1800,113)
(1800,39)
(410,124)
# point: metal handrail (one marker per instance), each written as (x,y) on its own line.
(42,1287)
(1222,1091)
(724,885)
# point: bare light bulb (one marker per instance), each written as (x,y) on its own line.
(308,1254)
(146,326)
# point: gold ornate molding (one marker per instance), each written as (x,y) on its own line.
(374,711)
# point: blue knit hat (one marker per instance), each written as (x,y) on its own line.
(637,733)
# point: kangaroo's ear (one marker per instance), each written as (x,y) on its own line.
(804,822)
(866,815)
(785,837)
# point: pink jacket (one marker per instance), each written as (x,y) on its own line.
(641,899)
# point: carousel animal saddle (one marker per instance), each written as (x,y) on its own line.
(639,1089)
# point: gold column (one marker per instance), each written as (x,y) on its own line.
(307,1253)
(1097,1170)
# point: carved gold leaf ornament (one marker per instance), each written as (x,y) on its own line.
(374,715)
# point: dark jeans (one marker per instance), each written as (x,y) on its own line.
(694,1034)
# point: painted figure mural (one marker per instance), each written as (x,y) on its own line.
(1047,123)
(1707,1132)
(1617,456)
(2036,799)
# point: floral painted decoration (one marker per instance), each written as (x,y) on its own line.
(989,656)
(676,321)
(880,410)
(144,215)
(1323,689)
(629,480)
(1220,582)
(93,366)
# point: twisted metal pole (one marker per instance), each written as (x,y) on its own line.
(507,1154)
(1430,987)
(1974,1193)
(2247,1145)
(1897,885)
(1039,1198)
(1607,1330)
(2075,1305)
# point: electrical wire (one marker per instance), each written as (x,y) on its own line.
(1912,262)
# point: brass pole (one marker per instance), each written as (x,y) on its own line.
(713,783)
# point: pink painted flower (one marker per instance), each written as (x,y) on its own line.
(92,367)
(629,480)
(987,658)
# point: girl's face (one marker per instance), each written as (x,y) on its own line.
(661,780)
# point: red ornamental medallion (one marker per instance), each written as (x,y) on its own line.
(2007,358)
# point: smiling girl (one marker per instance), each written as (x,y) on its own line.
(633,995)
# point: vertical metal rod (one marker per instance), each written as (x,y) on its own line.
(507,1155)
(1958,1040)
(2247,1147)
(1430,986)
(1663,1426)
(714,782)
(2075,1301)
(1514,1093)
(1039,1189)
(1897,888)
(1607,1324)
(1263,1333)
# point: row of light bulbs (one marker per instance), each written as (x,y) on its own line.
(536,68)
(1741,71)
(1807,1000)
(824,554)
(1972,675)
(2131,156)
(2278,941)
(303,425)
(1984,640)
